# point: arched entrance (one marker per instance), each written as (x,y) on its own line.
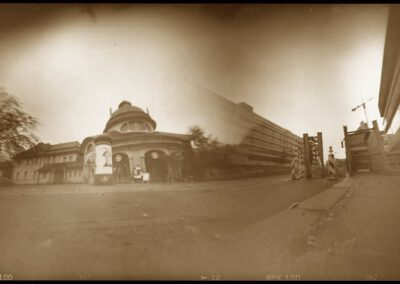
(156,165)
(121,170)
(58,175)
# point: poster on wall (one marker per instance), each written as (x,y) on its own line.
(103,159)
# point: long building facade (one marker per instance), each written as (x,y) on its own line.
(264,143)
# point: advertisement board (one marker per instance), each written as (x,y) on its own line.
(103,159)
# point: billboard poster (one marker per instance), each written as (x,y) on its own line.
(103,159)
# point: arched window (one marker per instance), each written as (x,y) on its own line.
(131,126)
(90,148)
(147,126)
(139,126)
(124,127)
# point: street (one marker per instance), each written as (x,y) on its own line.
(138,231)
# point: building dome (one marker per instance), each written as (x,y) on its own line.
(129,118)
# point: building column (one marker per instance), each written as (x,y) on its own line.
(131,164)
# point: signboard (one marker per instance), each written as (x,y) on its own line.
(154,155)
(103,159)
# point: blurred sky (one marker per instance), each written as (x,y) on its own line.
(303,67)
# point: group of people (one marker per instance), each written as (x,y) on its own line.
(138,175)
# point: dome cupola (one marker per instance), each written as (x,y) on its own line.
(129,118)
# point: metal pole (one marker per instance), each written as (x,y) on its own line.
(307,156)
(348,153)
(375,125)
(321,153)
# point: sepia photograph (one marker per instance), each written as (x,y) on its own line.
(199,141)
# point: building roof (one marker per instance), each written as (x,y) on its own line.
(126,106)
(48,149)
(127,112)
(66,145)
(139,137)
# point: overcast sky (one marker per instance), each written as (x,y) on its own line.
(303,67)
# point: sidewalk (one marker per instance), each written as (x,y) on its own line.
(357,238)
(350,231)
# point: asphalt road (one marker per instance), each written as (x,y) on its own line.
(135,231)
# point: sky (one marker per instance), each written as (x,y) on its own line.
(301,66)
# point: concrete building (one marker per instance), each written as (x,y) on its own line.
(265,144)
(262,143)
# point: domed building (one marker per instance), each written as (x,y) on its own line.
(129,141)
(135,143)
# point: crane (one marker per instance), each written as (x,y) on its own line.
(365,109)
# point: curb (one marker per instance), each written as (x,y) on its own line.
(327,199)
(289,224)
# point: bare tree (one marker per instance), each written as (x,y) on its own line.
(201,142)
(210,153)
(16,127)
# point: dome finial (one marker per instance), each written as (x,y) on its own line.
(124,103)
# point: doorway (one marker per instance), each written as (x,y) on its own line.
(58,175)
(156,165)
(121,169)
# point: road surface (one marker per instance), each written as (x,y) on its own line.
(136,231)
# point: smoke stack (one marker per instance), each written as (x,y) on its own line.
(147,110)
(110,111)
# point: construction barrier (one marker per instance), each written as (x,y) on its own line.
(313,155)
(297,167)
(331,164)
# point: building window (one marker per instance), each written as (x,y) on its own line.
(17,176)
(70,173)
(89,148)
(147,126)
(70,158)
(124,127)
(25,175)
(65,159)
